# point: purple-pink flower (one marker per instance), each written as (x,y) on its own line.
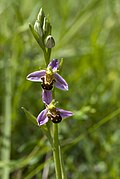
(52,113)
(48,79)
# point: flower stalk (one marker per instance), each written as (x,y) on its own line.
(56,154)
(47,53)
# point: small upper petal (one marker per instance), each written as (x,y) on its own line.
(60,82)
(36,76)
(42,117)
(64,113)
(54,64)
(46,96)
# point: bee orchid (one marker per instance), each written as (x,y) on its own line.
(52,113)
(48,79)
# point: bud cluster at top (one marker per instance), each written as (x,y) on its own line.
(43,28)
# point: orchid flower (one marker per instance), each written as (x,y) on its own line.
(48,78)
(52,113)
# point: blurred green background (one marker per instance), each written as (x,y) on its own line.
(87,35)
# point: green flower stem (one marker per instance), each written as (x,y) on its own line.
(56,153)
(64,176)
(47,53)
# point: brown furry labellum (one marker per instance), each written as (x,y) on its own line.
(54,116)
(47,85)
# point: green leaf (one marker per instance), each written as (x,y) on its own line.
(30,116)
(44,128)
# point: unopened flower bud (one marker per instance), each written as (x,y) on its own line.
(49,42)
(37,28)
(46,27)
(41,16)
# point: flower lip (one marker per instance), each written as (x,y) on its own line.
(48,79)
(54,116)
(46,85)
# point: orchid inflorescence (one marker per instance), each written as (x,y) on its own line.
(49,77)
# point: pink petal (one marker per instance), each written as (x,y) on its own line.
(36,76)
(54,64)
(60,82)
(42,117)
(64,113)
(46,96)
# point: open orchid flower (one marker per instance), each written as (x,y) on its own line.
(48,78)
(52,113)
